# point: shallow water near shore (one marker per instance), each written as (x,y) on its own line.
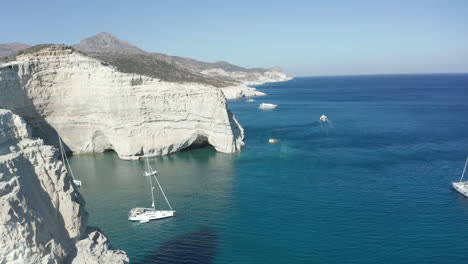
(371,187)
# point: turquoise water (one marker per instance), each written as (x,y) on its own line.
(372,187)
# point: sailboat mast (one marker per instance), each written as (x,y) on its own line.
(167,201)
(152,194)
(464,169)
(65,159)
(150,171)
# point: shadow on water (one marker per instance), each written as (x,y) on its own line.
(198,247)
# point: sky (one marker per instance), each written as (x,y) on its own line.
(305,38)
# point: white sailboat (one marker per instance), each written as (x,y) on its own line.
(144,215)
(267,106)
(462,186)
(324,119)
(65,162)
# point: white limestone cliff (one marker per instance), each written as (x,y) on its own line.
(252,77)
(94,107)
(42,217)
(247,78)
(234,92)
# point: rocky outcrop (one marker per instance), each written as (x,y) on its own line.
(42,216)
(250,77)
(94,107)
(239,91)
(228,71)
(95,248)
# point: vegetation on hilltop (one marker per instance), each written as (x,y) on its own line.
(148,65)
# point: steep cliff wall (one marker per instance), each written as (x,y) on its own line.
(41,213)
(94,107)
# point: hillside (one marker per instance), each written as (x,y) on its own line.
(11,48)
(131,59)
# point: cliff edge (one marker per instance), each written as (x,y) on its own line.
(94,107)
(42,216)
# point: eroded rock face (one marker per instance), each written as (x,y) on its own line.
(41,214)
(235,92)
(250,77)
(94,107)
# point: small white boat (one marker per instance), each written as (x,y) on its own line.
(273,140)
(144,215)
(77,183)
(267,106)
(250,100)
(324,118)
(462,186)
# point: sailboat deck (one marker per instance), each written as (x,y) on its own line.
(461,187)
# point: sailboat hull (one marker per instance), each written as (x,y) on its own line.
(149,214)
(461,187)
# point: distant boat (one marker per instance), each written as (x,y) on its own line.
(144,215)
(250,100)
(65,163)
(324,119)
(273,140)
(267,106)
(462,186)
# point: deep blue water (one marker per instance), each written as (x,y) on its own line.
(372,187)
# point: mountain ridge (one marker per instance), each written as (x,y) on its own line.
(107,47)
(106,43)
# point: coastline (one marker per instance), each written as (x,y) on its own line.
(246,89)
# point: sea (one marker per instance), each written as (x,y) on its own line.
(372,185)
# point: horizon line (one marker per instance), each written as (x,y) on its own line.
(380,74)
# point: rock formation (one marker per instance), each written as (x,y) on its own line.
(42,216)
(95,107)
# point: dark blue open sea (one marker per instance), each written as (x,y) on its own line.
(371,187)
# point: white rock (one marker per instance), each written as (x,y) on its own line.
(234,92)
(41,214)
(247,78)
(250,78)
(94,249)
(94,107)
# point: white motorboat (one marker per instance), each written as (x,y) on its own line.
(462,186)
(267,106)
(65,163)
(144,215)
(273,140)
(250,100)
(324,119)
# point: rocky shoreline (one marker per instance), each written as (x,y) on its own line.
(42,215)
(94,107)
(151,106)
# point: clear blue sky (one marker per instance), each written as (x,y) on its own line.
(303,37)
